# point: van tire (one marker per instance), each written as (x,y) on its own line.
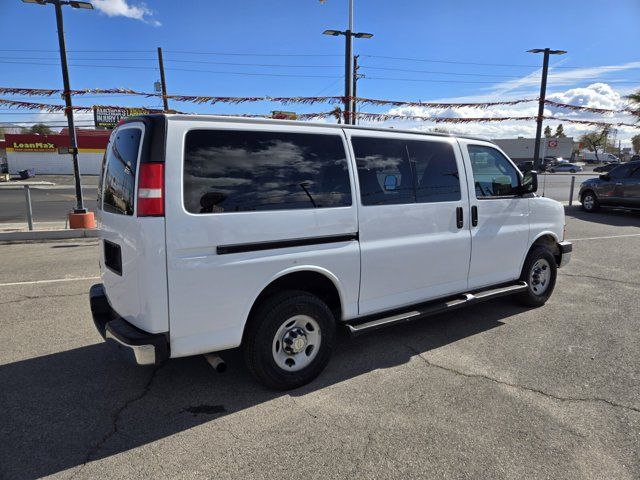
(540,259)
(269,319)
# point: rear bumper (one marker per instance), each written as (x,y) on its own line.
(565,253)
(140,347)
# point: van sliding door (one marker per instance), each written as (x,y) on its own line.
(414,219)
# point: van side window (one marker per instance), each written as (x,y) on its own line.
(121,165)
(238,171)
(493,174)
(384,171)
(436,171)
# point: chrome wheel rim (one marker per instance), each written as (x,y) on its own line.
(296,343)
(588,202)
(540,276)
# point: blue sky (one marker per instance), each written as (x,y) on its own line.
(449,36)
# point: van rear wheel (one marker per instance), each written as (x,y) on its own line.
(289,340)
(540,271)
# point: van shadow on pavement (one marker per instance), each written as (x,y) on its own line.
(62,410)
(614,217)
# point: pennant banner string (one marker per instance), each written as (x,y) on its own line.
(199,99)
(373,117)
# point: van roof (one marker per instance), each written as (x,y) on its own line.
(271,121)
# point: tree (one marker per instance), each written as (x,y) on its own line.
(634,99)
(547,131)
(595,139)
(40,129)
(559,132)
(635,141)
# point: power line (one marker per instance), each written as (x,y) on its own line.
(180,61)
(75,51)
(257,74)
(276,65)
(256,54)
(439,72)
(136,67)
(576,80)
(241,54)
(454,62)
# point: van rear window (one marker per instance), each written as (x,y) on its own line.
(237,171)
(121,164)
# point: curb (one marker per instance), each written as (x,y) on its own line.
(22,185)
(48,235)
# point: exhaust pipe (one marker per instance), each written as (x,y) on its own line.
(218,364)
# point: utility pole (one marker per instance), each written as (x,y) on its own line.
(356,76)
(163,83)
(543,91)
(348,66)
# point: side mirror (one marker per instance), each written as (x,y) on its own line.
(529,182)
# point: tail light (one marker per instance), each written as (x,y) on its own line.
(151,190)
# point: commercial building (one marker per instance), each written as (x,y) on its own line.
(521,150)
(48,154)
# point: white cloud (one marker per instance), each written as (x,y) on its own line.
(559,78)
(56,121)
(116,8)
(598,95)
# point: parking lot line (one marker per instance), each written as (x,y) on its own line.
(56,280)
(605,237)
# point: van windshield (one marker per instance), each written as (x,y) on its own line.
(121,163)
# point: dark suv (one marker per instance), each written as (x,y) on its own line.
(618,188)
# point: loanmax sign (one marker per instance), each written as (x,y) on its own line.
(33,147)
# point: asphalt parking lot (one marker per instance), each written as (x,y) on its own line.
(496,391)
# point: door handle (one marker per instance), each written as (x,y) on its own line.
(474,216)
(459,217)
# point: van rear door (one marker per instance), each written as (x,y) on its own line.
(132,250)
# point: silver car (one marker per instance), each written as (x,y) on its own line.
(566,167)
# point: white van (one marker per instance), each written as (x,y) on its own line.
(590,157)
(222,232)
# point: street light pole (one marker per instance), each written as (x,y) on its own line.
(543,91)
(349,117)
(73,144)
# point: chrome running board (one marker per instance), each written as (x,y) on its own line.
(367,324)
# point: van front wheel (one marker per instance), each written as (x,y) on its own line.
(540,272)
(289,340)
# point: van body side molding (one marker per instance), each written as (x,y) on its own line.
(294,242)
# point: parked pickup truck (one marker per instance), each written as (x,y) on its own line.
(222,232)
